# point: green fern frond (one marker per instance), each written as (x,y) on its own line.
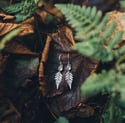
(22,10)
(13,8)
(99,83)
(106,82)
(96,38)
(122,4)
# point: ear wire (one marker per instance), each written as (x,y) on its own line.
(69,75)
(58,75)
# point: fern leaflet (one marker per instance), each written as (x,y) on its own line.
(91,29)
(22,10)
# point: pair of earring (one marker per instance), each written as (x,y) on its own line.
(68,74)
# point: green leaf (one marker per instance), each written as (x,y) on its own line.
(93,13)
(98,83)
(109,31)
(103,22)
(98,17)
(22,10)
(8,37)
(122,4)
(116,39)
(62,120)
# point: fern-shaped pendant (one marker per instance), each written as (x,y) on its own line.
(58,76)
(69,76)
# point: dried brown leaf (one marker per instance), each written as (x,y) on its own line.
(11,114)
(26,29)
(6,16)
(7,27)
(3,60)
(17,48)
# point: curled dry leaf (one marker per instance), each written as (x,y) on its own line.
(7,27)
(48,9)
(26,29)
(10,114)
(6,16)
(17,48)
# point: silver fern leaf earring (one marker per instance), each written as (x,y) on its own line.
(58,75)
(69,75)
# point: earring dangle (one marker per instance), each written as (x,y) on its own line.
(58,75)
(69,75)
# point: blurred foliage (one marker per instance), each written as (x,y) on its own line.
(113,113)
(98,41)
(122,4)
(3,107)
(3,3)
(92,32)
(62,120)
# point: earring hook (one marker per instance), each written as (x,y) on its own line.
(58,75)
(69,75)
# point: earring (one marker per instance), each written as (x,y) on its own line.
(69,75)
(58,75)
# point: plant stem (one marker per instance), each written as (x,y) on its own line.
(112,108)
(117,65)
